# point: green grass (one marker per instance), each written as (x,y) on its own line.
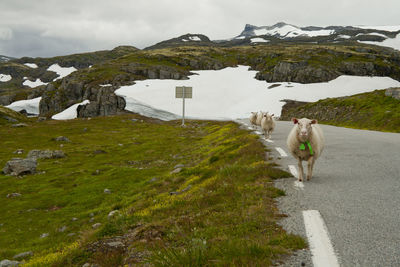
(224,212)
(6,112)
(371,111)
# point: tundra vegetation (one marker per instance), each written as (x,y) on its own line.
(291,62)
(370,111)
(154,192)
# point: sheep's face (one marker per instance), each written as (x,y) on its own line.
(268,116)
(304,128)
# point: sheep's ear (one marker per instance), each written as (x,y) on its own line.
(295,121)
(314,122)
(272,115)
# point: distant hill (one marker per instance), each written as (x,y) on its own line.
(28,72)
(5,58)
(183,40)
(287,33)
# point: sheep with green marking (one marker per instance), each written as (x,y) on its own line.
(305,142)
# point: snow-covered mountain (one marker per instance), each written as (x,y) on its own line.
(283,30)
(280,32)
(5,58)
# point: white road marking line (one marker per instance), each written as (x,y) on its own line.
(321,248)
(294,172)
(281,151)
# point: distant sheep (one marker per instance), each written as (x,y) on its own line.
(306,142)
(267,124)
(253,118)
(260,115)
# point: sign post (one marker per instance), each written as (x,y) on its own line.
(183,92)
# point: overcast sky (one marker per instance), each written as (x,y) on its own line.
(60,27)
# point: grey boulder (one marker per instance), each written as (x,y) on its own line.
(46,154)
(18,166)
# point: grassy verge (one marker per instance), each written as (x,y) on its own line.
(218,210)
(370,111)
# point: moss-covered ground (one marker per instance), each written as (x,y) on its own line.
(370,111)
(218,210)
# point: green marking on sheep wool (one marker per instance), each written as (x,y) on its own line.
(303,147)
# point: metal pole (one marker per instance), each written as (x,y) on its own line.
(183,107)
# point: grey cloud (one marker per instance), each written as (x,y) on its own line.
(58,27)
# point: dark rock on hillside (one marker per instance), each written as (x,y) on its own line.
(8,263)
(23,255)
(6,99)
(62,139)
(299,72)
(289,106)
(103,102)
(18,166)
(393,92)
(45,154)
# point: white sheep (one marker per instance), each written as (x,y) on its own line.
(253,118)
(260,115)
(305,142)
(267,124)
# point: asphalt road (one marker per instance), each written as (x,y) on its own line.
(356,189)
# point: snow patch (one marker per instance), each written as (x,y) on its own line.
(389,42)
(289,31)
(69,113)
(105,85)
(61,72)
(259,40)
(194,38)
(31,105)
(5,77)
(343,36)
(31,65)
(31,84)
(373,33)
(392,28)
(233,93)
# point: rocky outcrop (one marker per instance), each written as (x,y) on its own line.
(289,106)
(300,72)
(103,102)
(18,166)
(45,154)
(393,92)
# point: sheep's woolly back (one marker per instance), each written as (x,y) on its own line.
(259,117)
(253,118)
(316,140)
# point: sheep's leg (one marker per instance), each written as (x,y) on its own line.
(311,162)
(301,172)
